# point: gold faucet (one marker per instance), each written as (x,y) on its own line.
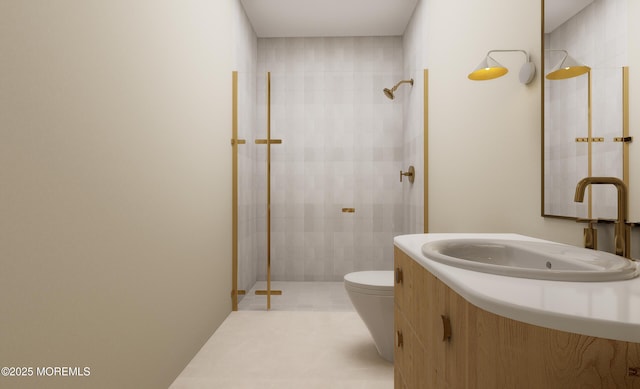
(622,232)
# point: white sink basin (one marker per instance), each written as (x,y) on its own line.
(539,260)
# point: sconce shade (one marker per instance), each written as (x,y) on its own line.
(567,68)
(488,69)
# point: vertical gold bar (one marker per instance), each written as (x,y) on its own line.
(625,124)
(426,150)
(234,185)
(542,92)
(589,144)
(268,190)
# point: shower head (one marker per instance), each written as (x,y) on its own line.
(389,92)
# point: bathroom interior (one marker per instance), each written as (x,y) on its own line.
(124,233)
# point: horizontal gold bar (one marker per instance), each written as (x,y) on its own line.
(624,139)
(265,141)
(348,210)
(238,292)
(238,142)
(589,139)
(264,292)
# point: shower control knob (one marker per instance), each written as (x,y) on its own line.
(411,174)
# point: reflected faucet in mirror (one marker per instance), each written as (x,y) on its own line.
(622,232)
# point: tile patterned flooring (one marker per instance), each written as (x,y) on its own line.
(312,338)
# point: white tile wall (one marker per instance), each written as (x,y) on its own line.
(342,147)
(344,144)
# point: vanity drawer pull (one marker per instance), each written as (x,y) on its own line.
(399,339)
(398,275)
(446,328)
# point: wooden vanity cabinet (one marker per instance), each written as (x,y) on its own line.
(428,345)
(443,341)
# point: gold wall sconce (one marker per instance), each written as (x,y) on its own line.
(568,67)
(489,68)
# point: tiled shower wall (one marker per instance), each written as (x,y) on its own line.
(342,147)
(596,36)
(245,55)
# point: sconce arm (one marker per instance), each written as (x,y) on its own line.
(526,55)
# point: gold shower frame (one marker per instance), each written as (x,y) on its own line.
(268,141)
(425,152)
(234,184)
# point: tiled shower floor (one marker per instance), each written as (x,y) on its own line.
(299,296)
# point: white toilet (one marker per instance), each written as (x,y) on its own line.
(371,293)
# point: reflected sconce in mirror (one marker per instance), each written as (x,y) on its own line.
(489,68)
(568,67)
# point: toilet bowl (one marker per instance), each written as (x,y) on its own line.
(371,293)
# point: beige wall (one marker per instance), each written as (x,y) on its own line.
(115,187)
(484,137)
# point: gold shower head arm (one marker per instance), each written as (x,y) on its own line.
(409,81)
(389,92)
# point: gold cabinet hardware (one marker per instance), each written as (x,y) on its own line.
(411,173)
(589,139)
(398,275)
(399,339)
(446,328)
(238,142)
(268,141)
(623,139)
(348,210)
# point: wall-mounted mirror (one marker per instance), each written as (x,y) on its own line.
(584,114)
